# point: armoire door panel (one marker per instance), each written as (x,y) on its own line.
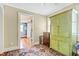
(64,48)
(64,27)
(55,44)
(64,39)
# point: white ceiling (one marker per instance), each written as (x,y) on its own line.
(40,8)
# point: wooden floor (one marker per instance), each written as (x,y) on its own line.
(26,42)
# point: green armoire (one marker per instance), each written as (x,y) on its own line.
(63,31)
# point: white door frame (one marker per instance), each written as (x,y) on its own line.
(19,14)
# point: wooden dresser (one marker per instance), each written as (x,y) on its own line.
(45,39)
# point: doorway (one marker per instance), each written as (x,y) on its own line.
(25,30)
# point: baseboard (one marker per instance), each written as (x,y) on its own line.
(35,43)
(11,48)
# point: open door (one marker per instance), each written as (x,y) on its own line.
(25,31)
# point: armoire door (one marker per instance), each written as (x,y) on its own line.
(61,32)
(54,33)
(65,24)
(55,25)
(65,30)
(54,44)
(64,48)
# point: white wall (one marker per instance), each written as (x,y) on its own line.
(10,27)
(1,29)
(39,27)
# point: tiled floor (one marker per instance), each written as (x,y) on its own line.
(37,50)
